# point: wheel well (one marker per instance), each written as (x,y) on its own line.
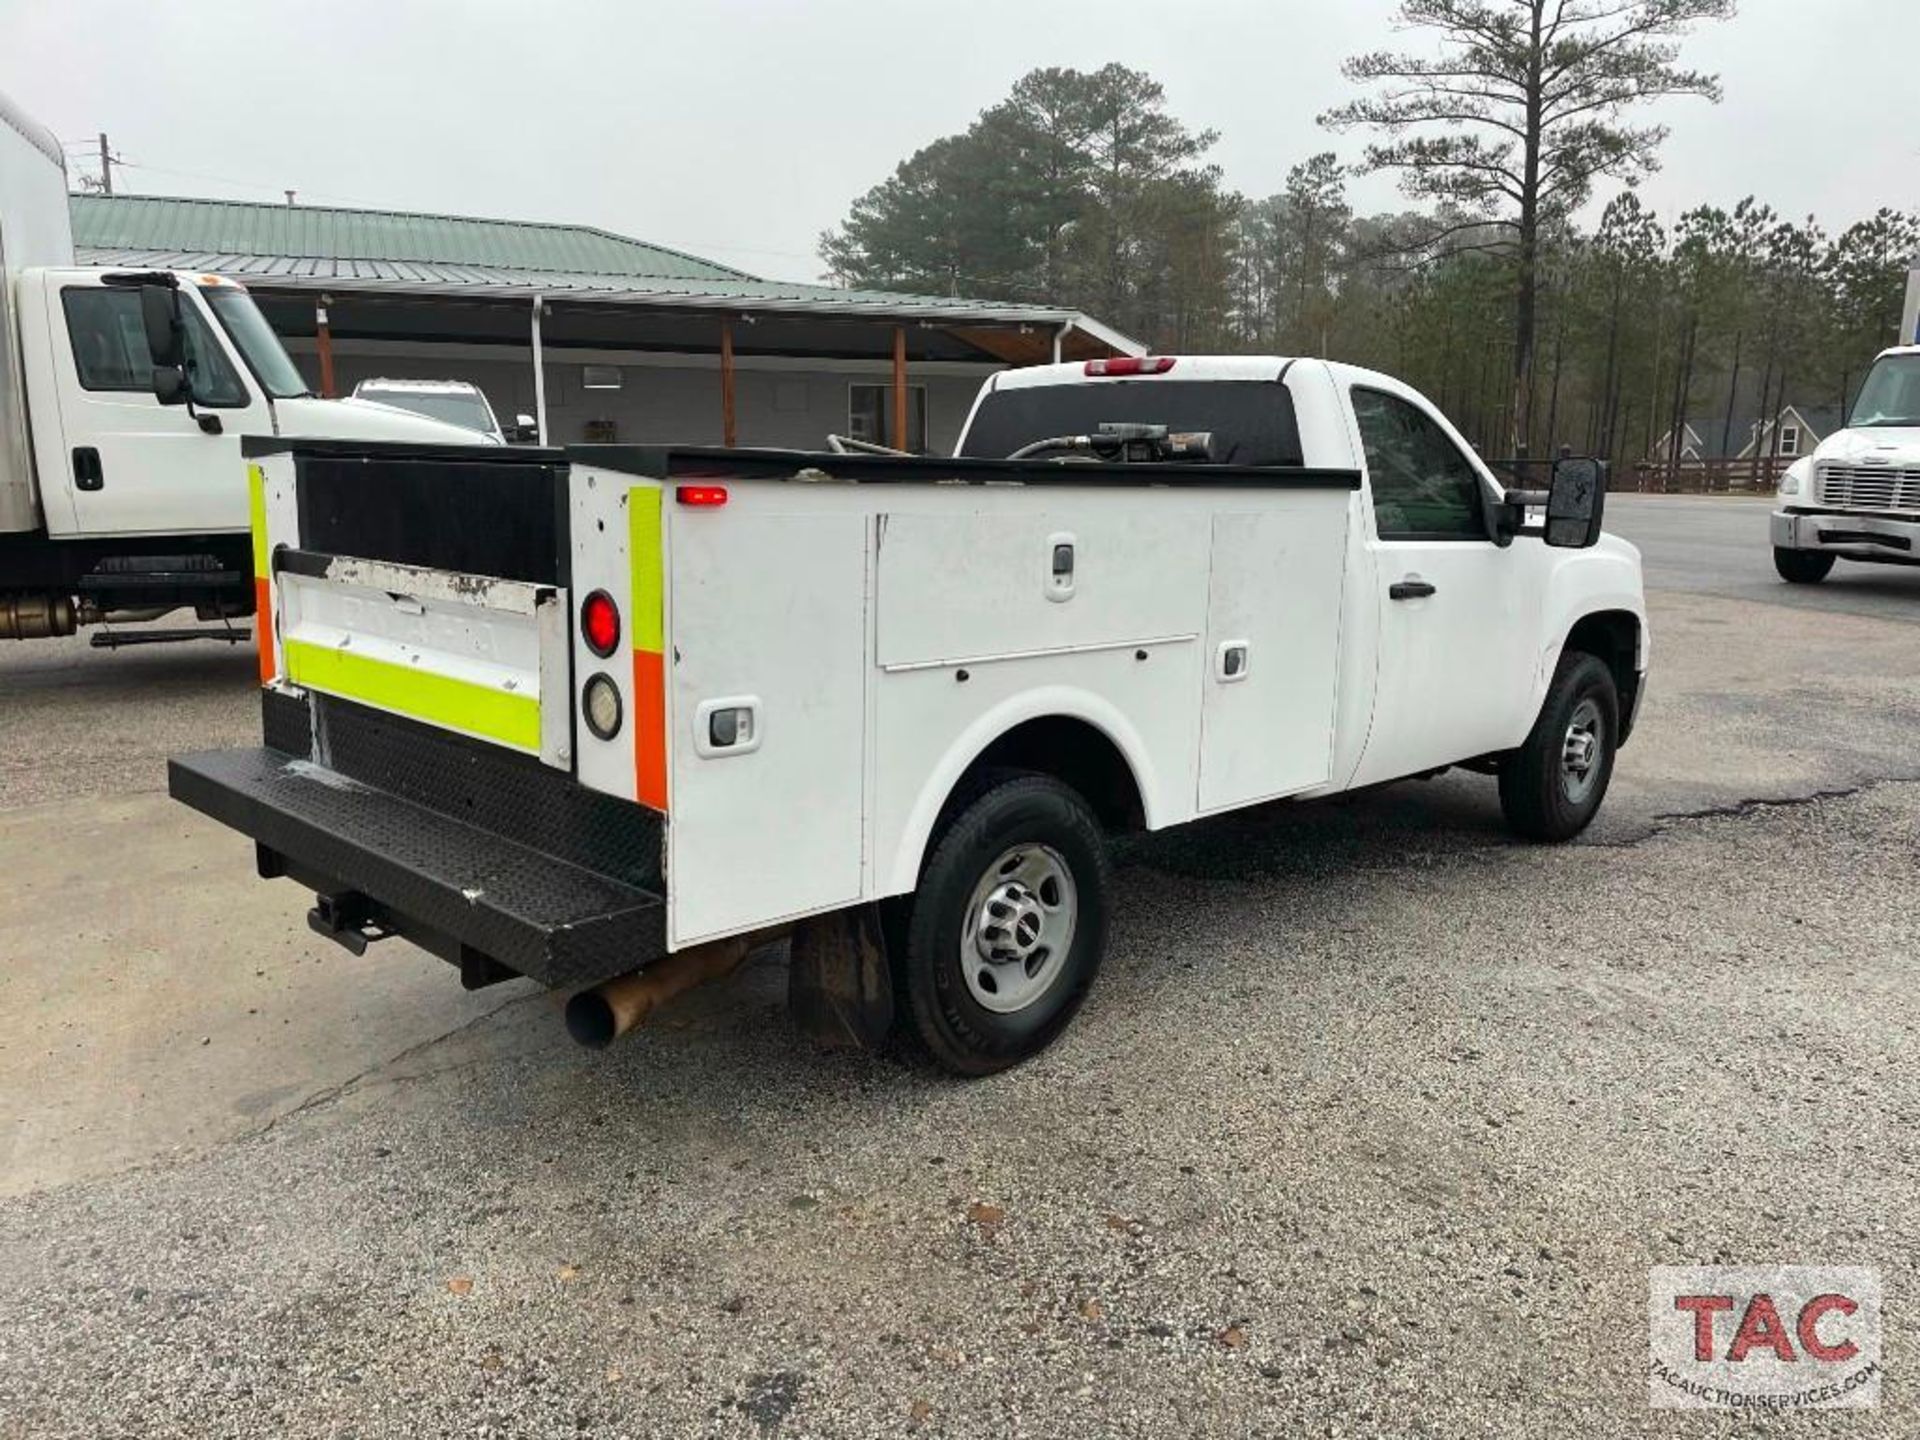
(1612,636)
(1073,752)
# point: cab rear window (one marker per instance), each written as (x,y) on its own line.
(1252,420)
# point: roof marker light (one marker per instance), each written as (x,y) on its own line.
(1131,365)
(709,495)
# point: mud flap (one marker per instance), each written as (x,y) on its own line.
(839,987)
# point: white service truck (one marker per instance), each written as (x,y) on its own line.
(574,714)
(1857,496)
(123,398)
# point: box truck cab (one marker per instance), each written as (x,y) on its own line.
(121,494)
(1857,496)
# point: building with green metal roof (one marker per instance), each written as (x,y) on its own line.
(621,339)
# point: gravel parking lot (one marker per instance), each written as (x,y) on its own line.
(1374,1124)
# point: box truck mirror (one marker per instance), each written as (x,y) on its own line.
(166,332)
(170,385)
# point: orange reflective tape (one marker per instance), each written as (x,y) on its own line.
(650,729)
(263,626)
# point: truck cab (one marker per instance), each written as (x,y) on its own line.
(1857,496)
(135,465)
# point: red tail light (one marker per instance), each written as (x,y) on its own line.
(700,494)
(1131,365)
(600,623)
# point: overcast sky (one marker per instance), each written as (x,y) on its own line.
(741,128)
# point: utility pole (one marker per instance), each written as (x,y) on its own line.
(106,166)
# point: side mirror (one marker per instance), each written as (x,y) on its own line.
(523,431)
(1575,503)
(166,343)
(170,384)
(166,334)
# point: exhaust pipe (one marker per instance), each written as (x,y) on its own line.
(36,617)
(598,1017)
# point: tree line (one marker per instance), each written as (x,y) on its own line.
(1526,327)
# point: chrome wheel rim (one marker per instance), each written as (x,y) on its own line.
(1580,753)
(1018,928)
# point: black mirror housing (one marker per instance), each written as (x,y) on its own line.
(1576,502)
(170,385)
(166,332)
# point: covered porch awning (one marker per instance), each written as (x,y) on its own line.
(557,311)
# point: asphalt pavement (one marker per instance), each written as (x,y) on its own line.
(1373,1126)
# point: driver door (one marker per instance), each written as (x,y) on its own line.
(1452,664)
(133,465)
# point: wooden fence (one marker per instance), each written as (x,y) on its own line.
(1757,476)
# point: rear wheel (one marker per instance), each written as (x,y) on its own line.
(1802,567)
(1006,932)
(1552,786)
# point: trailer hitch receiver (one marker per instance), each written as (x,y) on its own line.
(349,919)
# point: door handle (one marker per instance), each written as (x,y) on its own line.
(87,474)
(1060,563)
(1409,590)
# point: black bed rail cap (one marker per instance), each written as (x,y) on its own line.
(668,462)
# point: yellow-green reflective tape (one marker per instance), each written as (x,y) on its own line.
(479,710)
(643,556)
(257,518)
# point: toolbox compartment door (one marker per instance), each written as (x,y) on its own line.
(768,613)
(1272,649)
(1008,580)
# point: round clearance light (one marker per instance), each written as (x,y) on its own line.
(600,623)
(601,705)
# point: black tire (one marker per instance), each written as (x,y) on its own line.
(938,1012)
(1802,567)
(1538,796)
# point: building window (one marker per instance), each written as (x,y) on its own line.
(1789,439)
(870,416)
(600,377)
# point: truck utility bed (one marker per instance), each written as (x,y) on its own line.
(468,852)
(429,772)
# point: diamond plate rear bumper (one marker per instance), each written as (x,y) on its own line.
(465,893)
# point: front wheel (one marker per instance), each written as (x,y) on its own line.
(1552,786)
(1007,929)
(1802,567)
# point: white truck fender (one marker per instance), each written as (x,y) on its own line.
(900,872)
(1601,580)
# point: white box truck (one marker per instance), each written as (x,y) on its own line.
(120,501)
(1857,496)
(605,716)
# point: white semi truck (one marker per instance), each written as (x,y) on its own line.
(605,717)
(123,400)
(1857,496)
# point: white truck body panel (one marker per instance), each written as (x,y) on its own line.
(35,229)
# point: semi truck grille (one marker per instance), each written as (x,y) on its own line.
(1870,487)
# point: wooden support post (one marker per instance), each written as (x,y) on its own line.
(727,428)
(899,437)
(323,334)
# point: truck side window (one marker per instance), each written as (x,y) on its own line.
(1423,487)
(110,348)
